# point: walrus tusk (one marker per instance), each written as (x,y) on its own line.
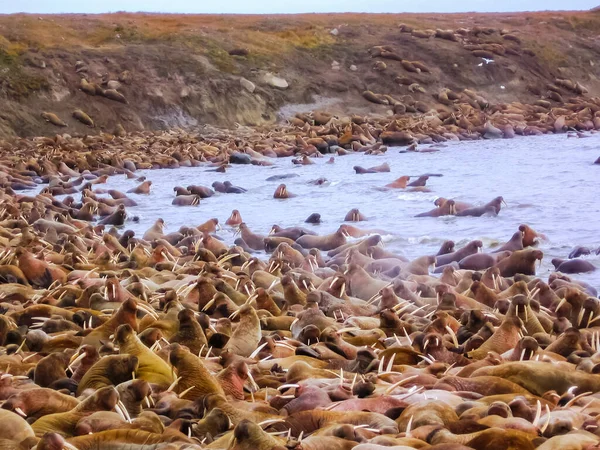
(538,414)
(408,427)
(125,412)
(74,360)
(182,394)
(255,353)
(543,429)
(269,422)
(452,335)
(251,378)
(577,397)
(173,384)
(399,383)
(283,387)
(20,412)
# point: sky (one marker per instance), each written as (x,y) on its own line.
(287,6)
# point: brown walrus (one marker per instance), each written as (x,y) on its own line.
(572,265)
(117,218)
(143,188)
(385,167)
(354,215)
(446,209)
(399,183)
(186,200)
(325,243)
(492,207)
(235,218)
(282,192)
(521,261)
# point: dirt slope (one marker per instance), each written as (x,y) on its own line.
(177,70)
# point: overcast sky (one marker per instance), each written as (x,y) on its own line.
(287,6)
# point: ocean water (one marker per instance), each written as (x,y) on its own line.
(548,182)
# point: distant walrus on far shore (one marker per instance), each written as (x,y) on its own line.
(83,118)
(53,119)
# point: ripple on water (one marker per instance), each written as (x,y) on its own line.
(549,182)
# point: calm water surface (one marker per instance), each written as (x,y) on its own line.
(548,182)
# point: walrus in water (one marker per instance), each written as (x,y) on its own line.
(482,261)
(385,167)
(325,243)
(399,183)
(493,207)
(354,215)
(117,218)
(446,209)
(521,261)
(530,237)
(469,249)
(235,219)
(143,188)
(202,191)
(186,200)
(181,191)
(314,218)
(282,192)
(573,265)
(419,182)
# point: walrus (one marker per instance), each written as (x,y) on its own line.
(193,374)
(419,182)
(530,236)
(354,215)
(83,118)
(446,209)
(572,265)
(108,371)
(513,244)
(399,183)
(385,167)
(202,191)
(231,189)
(235,218)
(53,119)
(482,261)
(186,200)
(469,249)
(181,191)
(218,186)
(117,218)
(325,243)
(521,261)
(115,95)
(143,188)
(282,192)
(314,218)
(492,207)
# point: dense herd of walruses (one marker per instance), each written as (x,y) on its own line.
(111,340)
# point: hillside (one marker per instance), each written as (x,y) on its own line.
(166,71)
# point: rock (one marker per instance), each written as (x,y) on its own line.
(248,85)
(335,32)
(274,81)
(335,65)
(353,68)
(240,158)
